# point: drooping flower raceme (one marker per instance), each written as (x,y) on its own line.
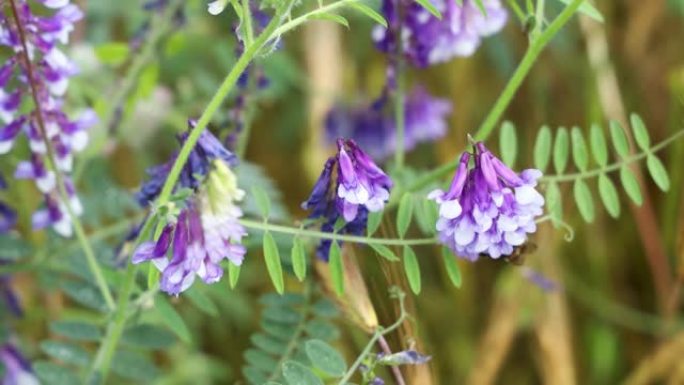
(489,209)
(350,186)
(206,230)
(374,128)
(38,70)
(427,40)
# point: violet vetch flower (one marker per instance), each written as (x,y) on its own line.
(17,369)
(489,209)
(350,186)
(38,66)
(374,128)
(427,40)
(197,167)
(206,230)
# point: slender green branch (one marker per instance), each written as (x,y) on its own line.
(212,107)
(115,329)
(61,187)
(376,336)
(509,91)
(612,167)
(294,23)
(248,30)
(160,28)
(333,236)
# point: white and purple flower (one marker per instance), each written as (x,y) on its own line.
(427,40)
(206,230)
(489,209)
(350,186)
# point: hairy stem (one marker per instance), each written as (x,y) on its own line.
(509,91)
(294,23)
(61,187)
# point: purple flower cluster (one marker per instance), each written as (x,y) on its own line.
(489,209)
(350,186)
(427,40)
(17,368)
(38,68)
(373,126)
(206,230)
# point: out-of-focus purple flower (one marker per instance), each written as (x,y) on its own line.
(349,186)
(8,217)
(17,369)
(38,70)
(374,128)
(427,40)
(406,357)
(194,171)
(206,230)
(488,209)
(543,282)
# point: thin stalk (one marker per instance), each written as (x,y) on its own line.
(376,336)
(247,22)
(509,91)
(294,23)
(61,187)
(115,329)
(265,226)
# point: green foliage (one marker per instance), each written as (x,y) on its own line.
(412,269)
(298,256)
(293,326)
(252,175)
(582,155)
(374,220)
(263,202)
(404,214)
(588,9)
(273,265)
(384,252)
(452,269)
(77,331)
(171,318)
(508,143)
(325,358)
(336,265)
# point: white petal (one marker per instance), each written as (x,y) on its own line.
(450,209)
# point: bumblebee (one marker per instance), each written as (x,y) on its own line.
(517,257)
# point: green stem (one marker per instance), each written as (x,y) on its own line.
(212,107)
(91,260)
(124,87)
(294,23)
(115,329)
(611,167)
(376,336)
(265,226)
(247,20)
(509,91)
